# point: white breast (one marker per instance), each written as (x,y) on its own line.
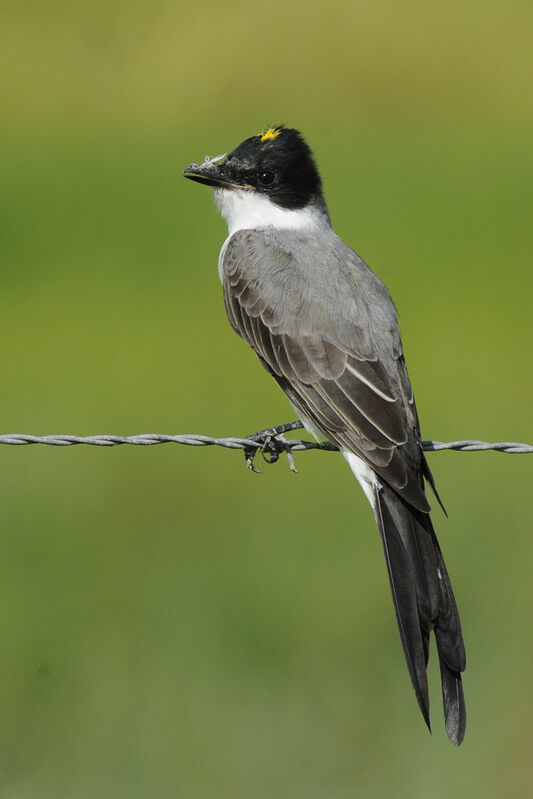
(249,210)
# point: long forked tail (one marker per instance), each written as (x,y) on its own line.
(424,601)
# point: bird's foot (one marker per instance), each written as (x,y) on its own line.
(271,443)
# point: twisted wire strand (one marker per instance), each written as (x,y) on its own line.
(192,440)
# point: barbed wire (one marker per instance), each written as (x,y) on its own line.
(193,440)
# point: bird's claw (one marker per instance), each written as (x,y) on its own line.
(271,443)
(249,454)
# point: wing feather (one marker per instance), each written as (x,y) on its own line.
(303,366)
(347,378)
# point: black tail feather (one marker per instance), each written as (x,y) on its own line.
(454,703)
(423,601)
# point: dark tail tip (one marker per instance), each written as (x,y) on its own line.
(454,703)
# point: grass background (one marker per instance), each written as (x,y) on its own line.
(170,624)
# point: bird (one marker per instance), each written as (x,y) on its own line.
(325,327)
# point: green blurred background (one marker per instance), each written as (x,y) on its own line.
(172,625)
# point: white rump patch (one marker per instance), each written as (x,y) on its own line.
(368,479)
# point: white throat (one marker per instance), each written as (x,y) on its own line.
(249,210)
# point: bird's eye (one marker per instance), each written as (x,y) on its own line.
(266,178)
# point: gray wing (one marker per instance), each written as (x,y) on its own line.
(325,327)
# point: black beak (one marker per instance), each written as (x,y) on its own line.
(207,174)
(211,173)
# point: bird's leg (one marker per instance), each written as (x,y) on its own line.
(271,444)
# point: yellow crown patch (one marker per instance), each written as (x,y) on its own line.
(270,134)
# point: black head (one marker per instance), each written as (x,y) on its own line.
(277,163)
